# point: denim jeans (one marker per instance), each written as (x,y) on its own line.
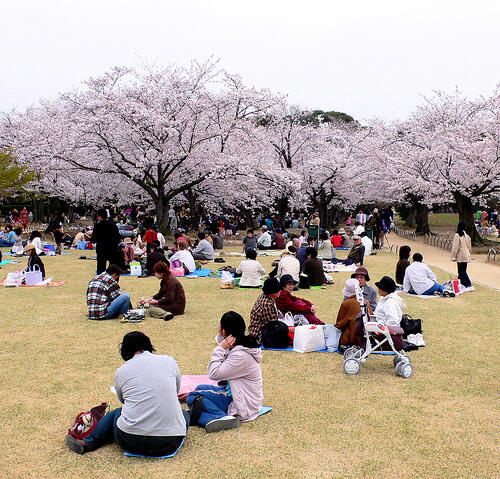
(215,402)
(106,431)
(119,306)
(6,244)
(436,287)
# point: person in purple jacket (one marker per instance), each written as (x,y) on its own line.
(235,363)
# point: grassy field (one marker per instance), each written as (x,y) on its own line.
(443,422)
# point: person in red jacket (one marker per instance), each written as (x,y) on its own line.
(286,302)
(149,237)
(336,239)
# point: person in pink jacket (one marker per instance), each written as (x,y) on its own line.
(235,363)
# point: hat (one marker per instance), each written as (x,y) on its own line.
(271,285)
(356,237)
(341,231)
(386,284)
(127,240)
(361,270)
(350,287)
(264,228)
(29,246)
(287,278)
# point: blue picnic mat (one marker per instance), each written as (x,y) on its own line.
(129,454)
(5,261)
(200,273)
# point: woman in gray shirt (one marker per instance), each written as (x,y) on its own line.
(151,421)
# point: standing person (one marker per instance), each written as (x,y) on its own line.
(151,421)
(24,215)
(235,361)
(461,253)
(104,300)
(170,300)
(106,236)
(58,238)
(171,215)
(149,237)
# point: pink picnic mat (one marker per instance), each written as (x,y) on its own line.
(52,284)
(189,383)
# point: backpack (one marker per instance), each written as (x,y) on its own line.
(275,335)
(85,422)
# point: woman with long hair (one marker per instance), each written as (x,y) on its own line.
(461,253)
(236,361)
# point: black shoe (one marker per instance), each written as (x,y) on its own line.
(195,411)
(168,317)
(76,445)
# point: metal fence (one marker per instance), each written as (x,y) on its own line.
(493,253)
(438,241)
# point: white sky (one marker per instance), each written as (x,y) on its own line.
(366,58)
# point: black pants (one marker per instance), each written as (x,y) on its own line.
(462,274)
(113,258)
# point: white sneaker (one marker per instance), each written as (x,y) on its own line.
(420,339)
(226,422)
(470,288)
(412,338)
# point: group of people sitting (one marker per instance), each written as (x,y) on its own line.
(151,421)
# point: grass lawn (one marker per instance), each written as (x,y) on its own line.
(442,422)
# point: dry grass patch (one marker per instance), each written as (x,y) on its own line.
(443,422)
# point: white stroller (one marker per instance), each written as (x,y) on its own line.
(376,334)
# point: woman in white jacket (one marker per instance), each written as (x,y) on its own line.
(390,306)
(250,270)
(461,253)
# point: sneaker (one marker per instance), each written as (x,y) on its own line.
(420,339)
(76,445)
(469,288)
(168,316)
(226,422)
(195,411)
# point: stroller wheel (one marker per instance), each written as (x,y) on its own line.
(349,352)
(404,369)
(398,359)
(352,366)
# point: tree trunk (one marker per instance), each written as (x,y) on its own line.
(323,212)
(193,206)
(282,207)
(162,214)
(422,219)
(466,214)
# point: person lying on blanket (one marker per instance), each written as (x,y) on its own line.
(235,361)
(286,302)
(151,421)
(170,300)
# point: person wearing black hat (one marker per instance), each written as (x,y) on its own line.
(264,309)
(286,302)
(390,307)
(369,293)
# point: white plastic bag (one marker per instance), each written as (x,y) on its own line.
(14,279)
(34,276)
(135,268)
(308,338)
(332,337)
(287,319)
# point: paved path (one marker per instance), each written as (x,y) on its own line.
(479,270)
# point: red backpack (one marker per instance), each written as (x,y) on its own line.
(86,422)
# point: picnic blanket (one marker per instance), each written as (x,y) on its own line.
(342,267)
(199,273)
(5,261)
(290,348)
(189,383)
(51,284)
(423,296)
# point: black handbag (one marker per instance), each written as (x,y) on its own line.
(410,325)
(275,335)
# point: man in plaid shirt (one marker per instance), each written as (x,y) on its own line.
(264,309)
(104,300)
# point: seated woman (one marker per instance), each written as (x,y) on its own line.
(325,247)
(17,247)
(153,256)
(289,264)
(403,263)
(390,306)
(127,251)
(236,360)
(170,301)
(183,258)
(80,236)
(250,270)
(34,259)
(151,421)
(346,317)
(286,302)
(36,239)
(138,251)
(313,268)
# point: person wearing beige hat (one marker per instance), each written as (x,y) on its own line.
(369,293)
(33,259)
